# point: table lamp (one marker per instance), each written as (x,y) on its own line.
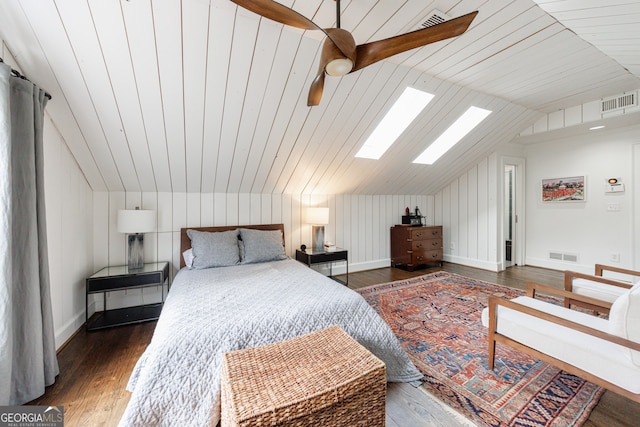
(318,217)
(134,223)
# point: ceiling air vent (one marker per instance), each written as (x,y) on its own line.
(619,102)
(434,17)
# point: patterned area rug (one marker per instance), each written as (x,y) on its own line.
(437,320)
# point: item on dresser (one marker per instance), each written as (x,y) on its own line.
(415,246)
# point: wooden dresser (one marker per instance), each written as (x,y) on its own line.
(415,246)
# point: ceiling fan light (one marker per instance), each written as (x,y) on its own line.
(339,67)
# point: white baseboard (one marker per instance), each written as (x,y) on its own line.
(340,268)
(381,263)
(485,265)
(67,330)
(369,265)
(558,265)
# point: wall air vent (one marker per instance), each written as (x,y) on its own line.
(555,256)
(434,17)
(563,256)
(619,102)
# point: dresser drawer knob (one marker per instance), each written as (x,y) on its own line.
(418,234)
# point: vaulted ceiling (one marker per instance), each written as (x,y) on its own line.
(204,96)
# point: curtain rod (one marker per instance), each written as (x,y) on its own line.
(16,73)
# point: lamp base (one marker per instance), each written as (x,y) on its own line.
(317,238)
(135,260)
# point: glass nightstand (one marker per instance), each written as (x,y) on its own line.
(121,278)
(309,257)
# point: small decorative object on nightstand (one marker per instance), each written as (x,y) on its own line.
(311,256)
(121,278)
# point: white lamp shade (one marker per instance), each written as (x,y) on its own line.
(317,216)
(136,221)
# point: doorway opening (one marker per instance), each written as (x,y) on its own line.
(509,216)
(512,241)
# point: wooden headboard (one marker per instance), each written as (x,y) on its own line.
(185,242)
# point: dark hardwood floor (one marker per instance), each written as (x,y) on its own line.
(94,370)
(95,366)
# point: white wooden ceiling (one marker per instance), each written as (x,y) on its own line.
(203,96)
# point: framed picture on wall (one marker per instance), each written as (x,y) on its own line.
(567,189)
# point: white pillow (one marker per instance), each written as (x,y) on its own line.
(188,258)
(624,319)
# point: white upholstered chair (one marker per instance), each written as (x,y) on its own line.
(603,351)
(607,289)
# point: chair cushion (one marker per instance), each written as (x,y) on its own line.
(597,290)
(624,319)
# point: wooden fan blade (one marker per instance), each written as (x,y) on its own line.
(370,53)
(279,13)
(282,14)
(315,91)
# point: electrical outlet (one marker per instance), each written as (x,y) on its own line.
(615,257)
(452,246)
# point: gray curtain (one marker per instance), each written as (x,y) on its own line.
(27,347)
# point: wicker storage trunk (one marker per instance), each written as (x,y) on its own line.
(324,378)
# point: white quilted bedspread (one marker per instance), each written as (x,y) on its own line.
(208,312)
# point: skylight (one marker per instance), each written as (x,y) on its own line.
(458,130)
(398,118)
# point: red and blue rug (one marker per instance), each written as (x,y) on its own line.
(437,320)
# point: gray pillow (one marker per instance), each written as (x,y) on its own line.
(262,245)
(214,249)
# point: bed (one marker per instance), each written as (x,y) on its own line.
(210,311)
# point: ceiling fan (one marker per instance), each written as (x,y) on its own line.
(340,54)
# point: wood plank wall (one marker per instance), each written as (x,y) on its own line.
(358,223)
(469,210)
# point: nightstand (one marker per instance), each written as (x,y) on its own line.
(121,278)
(310,257)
